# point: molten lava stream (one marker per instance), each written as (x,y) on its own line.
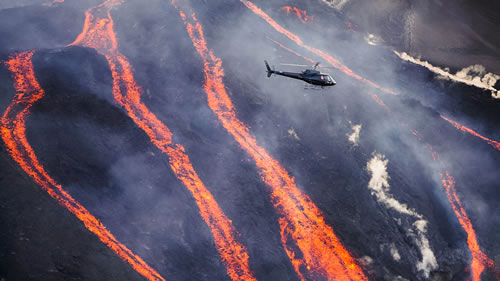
(314,250)
(479,259)
(13,132)
(331,60)
(462,128)
(98,34)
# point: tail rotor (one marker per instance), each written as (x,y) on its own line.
(269,70)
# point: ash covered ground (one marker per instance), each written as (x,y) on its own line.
(372,162)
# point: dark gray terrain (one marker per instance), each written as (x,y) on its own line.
(89,145)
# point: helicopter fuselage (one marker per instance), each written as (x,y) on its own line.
(311,76)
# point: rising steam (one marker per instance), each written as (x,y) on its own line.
(98,33)
(13,132)
(336,4)
(379,186)
(354,136)
(314,250)
(474,75)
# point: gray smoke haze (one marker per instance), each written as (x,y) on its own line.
(133,190)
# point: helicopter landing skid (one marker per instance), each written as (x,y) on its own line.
(308,86)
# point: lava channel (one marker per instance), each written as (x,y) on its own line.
(479,259)
(13,132)
(331,60)
(98,33)
(314,250)
(462,128)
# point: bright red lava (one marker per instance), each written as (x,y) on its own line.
(349,25)
(331,60)
(462,128)
(313,248)
(301,14)
(480,260)
(98,33)
(13,131)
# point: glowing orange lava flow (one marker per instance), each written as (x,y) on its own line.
(331,60)
(98,33)
(461,127)
(13,131)
(479,259)
(301,14)
(314,250)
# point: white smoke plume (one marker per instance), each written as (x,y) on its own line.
(394,252)
(428,262)
(379,185)
(291,132)
(380,188)
(474,75)
(354,137)
(336,4)
(372,39)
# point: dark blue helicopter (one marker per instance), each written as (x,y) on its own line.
(311,76)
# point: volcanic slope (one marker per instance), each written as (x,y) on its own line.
(113,184)
(402,109)
(173,91)
(98,33)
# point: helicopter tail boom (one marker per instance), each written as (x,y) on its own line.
(269,70)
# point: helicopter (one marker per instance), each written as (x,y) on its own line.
(310,76)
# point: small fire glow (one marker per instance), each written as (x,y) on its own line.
(301,14)
(379,101)
(349,25)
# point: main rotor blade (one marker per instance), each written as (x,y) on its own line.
(291,64)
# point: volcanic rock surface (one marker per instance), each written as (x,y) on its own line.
(89,144)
